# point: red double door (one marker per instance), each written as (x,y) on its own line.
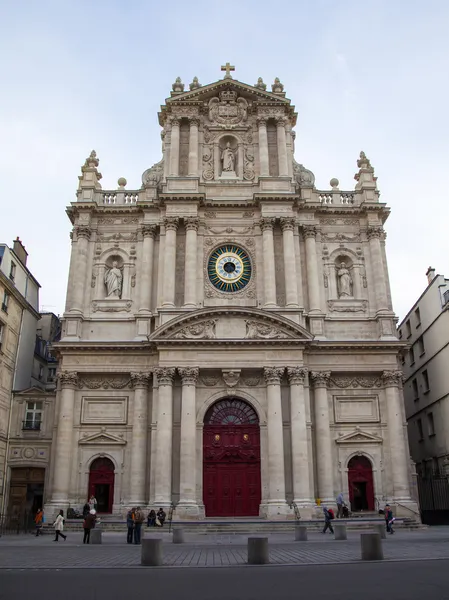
(360,483)
(231,470)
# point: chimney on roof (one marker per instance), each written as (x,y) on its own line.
(19,251)
(430,275)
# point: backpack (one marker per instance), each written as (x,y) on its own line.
(331,514)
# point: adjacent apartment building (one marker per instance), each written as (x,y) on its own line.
(426,371)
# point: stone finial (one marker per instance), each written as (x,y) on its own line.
(90,176)
(334,183)
(277,87)
(121,183)
(365,176)
(195,84)
(178,86)
(260,84)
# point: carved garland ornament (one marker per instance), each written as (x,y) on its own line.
(354,382)
(95,383)
(256,330)
(204,330)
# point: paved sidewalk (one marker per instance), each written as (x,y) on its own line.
(28,552)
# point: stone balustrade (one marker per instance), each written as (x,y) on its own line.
(117,197)
(336,198)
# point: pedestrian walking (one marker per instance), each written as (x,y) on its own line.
(328,517)
(39,520)
(130,525)
(340,505)
(389,520)
(59,527)
(151,521)
(161,516)
(88,524)
(93,503)
(139,518)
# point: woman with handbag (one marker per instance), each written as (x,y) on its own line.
(59,526)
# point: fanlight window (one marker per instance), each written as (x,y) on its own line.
(231,412)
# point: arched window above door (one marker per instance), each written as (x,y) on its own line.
(102,464)
(231,412)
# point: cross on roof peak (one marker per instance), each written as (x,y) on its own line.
(228,68)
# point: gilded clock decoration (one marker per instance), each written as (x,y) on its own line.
(229,268)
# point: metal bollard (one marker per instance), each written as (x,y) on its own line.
(95,536)
(151,555)
(340,531)
(178,536)
(381,529)
(258,551)
(300,533)
(371,546)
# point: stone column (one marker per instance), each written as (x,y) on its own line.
(302,495)
(164,437)
(309,232)
(276,474)
(139,449)
(291,283)
(83,234)
(282,148)
(323,444)
(397,434)
(174,147)
(263,148)
(191,262)
(62,470)
(193,147)
(146,272)
(269,279)
(377,265)
(187,487)
(169,277)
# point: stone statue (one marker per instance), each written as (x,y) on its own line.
(113,280)
(228,158)
(344,282)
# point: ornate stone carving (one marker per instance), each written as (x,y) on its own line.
(149,231)
(367,381)
(189,375)
(195,84)
(251,381)
(228,109)
(288,223)
(256,330)
(231,377)
(248,166)
(309,231)
(340,237)
(339,221)
(296,375)
(68,378)
(116,237)
(117,220)
(111,382)
(113,280)
(208,162)
(375,232)
(165,375)
(191,223)
(260,84)
(347,305)
(277,87)
(344,282)
(248,214)
(83,231)
(93,281)
(120,306)
(209,214)
(140,379)
(153,175)
(178,86)
(273,375)
(228,159)
(320,378)
(194,121)
(171,223)
(205,330)
(303,176)
(266,223)
(392,378)
(209,380)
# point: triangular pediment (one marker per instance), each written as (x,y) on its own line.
(231,325)
(102,438)
(359,437)
(33,391)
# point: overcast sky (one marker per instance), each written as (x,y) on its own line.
(78,75)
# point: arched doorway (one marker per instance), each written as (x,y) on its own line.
(101,483)
(361,487)
(231,460)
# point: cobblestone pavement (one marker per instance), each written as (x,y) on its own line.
(29,552)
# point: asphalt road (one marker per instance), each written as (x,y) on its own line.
(412,580)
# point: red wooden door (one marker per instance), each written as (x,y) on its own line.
(101,484)
(361,485)
(231,468)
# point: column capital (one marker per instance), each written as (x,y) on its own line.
(261,121)
(171,223)
(195,121)
(189,375)
(266,223)
(374,232)
(281,122)
(320,378)
(288,223)
(140,379)
(309,231)
(174,121)
(392,378)
(191,223)
(297,375)
(273,375)
(165,375)
(68,378)
(149,231)
(82,231)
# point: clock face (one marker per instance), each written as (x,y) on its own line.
(229,268)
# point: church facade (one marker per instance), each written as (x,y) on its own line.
(229,345)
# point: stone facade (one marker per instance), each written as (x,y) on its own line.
(228,275)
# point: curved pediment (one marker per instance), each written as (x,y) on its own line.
(231,325)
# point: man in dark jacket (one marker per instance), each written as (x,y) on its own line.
(327,520)
(139,518)
(88,524)
(130,525)
(388,518)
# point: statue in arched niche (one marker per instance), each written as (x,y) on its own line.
(113,280)
(344,280)
(228,159)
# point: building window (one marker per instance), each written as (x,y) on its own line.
(2,330)
(51,374)
(412,356)
(12,272)
(408,327)
(420,430)
(415,389)
(430,424)
(418,318)
(425,378)
(421,348)
(33,416)
(41,372)
(5,302)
